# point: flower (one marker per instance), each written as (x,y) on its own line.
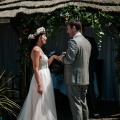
(67,14)
(20,39)
(61,15)
(101,33)
(31,36)
(39,30)
(25,31)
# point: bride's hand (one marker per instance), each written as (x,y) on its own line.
(56,57)
(40,89)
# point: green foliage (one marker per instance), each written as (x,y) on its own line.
(6,103)
(87,18)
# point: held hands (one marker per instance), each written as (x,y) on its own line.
(52,58)
(59,57)
(63,54)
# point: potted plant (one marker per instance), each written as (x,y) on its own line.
(7,105)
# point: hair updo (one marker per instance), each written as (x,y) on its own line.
(34,37)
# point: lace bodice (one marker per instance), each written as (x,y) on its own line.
(43,62)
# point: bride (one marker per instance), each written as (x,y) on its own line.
(39,103)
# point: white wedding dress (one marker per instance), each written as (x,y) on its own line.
(36,106)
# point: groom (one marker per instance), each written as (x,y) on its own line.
(76,76)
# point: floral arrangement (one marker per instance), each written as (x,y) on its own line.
(31,36)
(38,31)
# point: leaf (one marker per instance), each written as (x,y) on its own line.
(5,102)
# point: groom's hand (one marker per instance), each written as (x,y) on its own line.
(63,53)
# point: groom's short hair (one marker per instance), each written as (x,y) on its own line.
(75,23)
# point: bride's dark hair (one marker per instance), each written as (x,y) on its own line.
(34,38)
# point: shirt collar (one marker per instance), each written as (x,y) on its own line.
(77,34)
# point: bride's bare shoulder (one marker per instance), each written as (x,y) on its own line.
(36,49)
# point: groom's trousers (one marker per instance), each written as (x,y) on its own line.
(78,104)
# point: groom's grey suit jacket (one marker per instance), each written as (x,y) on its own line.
(76,68)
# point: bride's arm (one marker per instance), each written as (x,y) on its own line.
(35,55)
(52,58)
